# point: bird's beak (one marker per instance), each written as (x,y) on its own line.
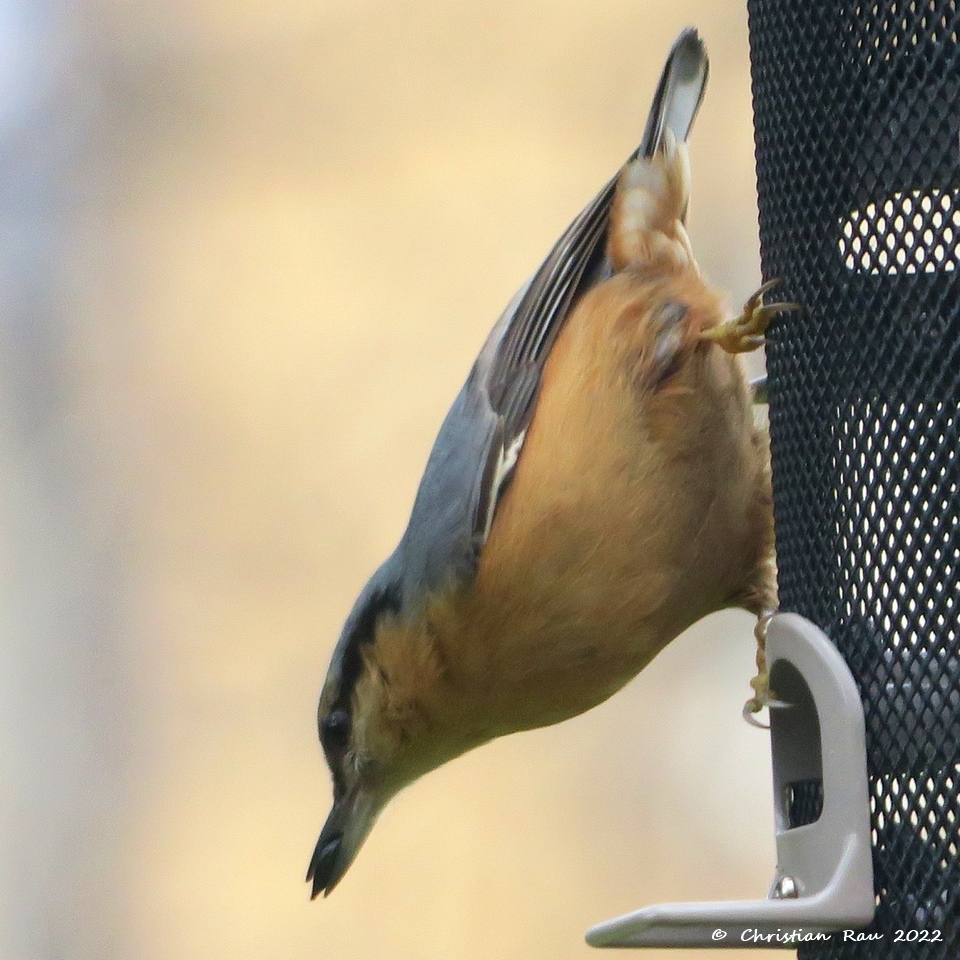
(351,819)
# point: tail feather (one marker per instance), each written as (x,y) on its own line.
(679,92)
(653,190)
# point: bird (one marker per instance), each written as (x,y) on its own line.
(597,486)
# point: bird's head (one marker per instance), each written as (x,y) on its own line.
(384,720)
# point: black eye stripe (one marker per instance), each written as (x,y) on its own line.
(362,631)
(335,729)
(335,726)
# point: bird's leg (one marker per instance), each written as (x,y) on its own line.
(763,696)
(745,333)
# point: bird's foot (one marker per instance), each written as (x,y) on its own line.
(763,696)
(746,332)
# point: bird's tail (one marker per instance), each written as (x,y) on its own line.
(679,92)
(653,189)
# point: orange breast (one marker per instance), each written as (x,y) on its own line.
(634,509)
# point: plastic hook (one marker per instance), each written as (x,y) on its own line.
(824,875)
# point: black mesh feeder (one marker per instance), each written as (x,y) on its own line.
(857,113)
(857,124)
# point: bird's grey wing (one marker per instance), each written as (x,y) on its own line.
(578,259)
(480,441)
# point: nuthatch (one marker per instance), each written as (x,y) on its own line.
(597,486)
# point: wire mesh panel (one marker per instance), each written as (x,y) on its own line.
(857,116)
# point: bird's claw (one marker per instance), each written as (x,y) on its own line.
(763,696)
(746,332)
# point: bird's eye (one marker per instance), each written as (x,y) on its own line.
(335,729)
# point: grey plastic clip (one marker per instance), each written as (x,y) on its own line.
(824,878)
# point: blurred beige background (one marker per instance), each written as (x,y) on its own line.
(247,254)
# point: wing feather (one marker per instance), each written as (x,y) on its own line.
(482,437)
